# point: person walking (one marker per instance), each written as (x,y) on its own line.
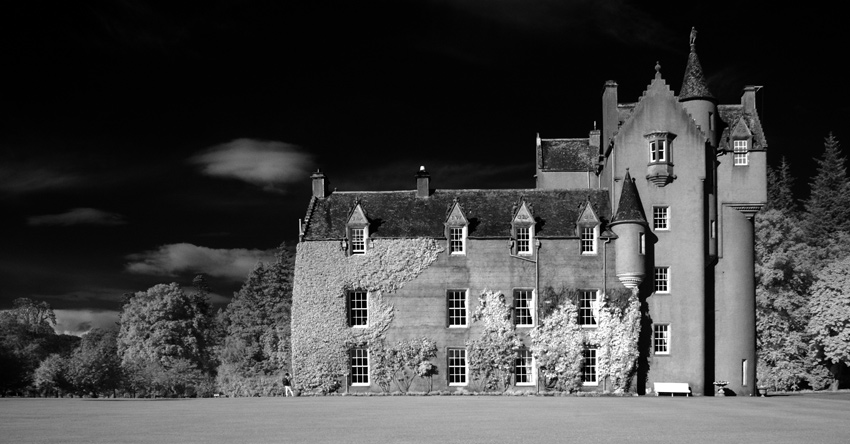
(287,385)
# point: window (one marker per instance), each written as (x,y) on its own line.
(587,305)
(658,151)
(714,229)
(662,279)
(358,240)
(523,304)
(588,369)
(740,154)
(358,310)
(457,240)
(359,366)
(456,306)
(524,368)
(661,218)
(588,240)
(642,241)
(457,366)
(744,372)
(523,240)
(661,339)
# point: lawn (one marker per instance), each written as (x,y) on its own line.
(811,418)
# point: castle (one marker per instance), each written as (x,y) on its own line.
(643,230)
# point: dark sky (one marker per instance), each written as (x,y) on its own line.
(143,142)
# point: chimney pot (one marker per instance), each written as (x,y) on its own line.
(423,183)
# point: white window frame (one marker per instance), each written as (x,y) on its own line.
(661,339)
(659,151)
(590,360)
(642,243)
(589,237)
(661,218)
(358,357)
(524,240)
(524,368)
(587,308)
(457,240)
(462,311)
(454,354)
(358,309)
(661,278)
(358,243)
(528,306)
(740,152)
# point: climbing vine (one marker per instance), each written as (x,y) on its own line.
(321,337)
(492,354)
(558,342)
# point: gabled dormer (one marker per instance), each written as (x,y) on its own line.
(522,229)
(457,229)
(357,231)
(741,139)
(587,229)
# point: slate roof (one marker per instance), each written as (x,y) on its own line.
(730,115)
(568,155)
(400,214)
(629,208)
(694,85)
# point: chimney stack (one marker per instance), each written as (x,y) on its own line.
(423,183)
(610,113)
(320,184)
(749,98)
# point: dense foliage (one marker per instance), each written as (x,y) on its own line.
(493,352)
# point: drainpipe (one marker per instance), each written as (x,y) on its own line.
(605,288)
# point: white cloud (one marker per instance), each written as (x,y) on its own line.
(78,216)
(168,260)
(265,163)
(78,322)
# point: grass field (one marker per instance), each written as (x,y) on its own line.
(811,418)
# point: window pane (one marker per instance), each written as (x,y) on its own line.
(740,154)
(456,240)
(523,240)
(522,307)
(588,240)
(662,279)
(358,240)
(586,305)
(661,339)
(457,307)
(357,303)
(457,366)
(523,367)
(588,370)
(360,366)
(660,218)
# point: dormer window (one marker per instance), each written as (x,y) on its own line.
(587,229)
(457,229)
(523,230)
(357,232)
(588,239)
(740,153)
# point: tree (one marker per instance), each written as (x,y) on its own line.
(780,189)
(829,324)
(51,376)
(828,206)
(163,329)
(493,354)
(257,328)
(38,317)
(95,367)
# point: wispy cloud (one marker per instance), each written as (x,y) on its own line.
(78,322)
(78,216)
(171,259)
(269,164)
(22,178)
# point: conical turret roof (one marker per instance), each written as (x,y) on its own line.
(694,85)
(629,209)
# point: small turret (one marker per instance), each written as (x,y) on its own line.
(696,97)
(630,225)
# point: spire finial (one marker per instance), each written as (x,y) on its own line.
(693,38)
(657,70)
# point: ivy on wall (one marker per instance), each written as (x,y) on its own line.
(558,341)
(492,354)
(321,337)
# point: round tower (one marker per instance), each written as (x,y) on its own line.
(630,225)
(695,96)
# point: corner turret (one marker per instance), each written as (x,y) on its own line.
(696,97)
(630,225)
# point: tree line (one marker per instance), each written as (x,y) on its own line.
(803,278)
(168,343)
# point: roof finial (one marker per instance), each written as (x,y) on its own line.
(657,70)
(693,38)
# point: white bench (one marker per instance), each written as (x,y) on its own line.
(671,388)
